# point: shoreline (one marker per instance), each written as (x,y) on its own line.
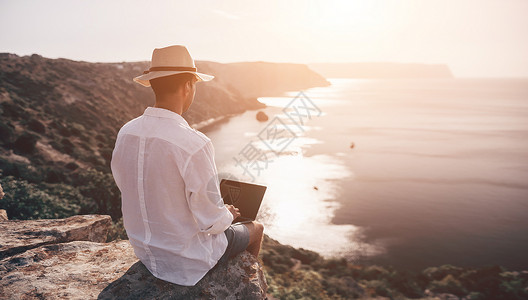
(241,126)
(201,126)
(212,123)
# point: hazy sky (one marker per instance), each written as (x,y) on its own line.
(475,38)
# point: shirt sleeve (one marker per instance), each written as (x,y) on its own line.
(203,192)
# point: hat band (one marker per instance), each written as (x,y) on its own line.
(170,69)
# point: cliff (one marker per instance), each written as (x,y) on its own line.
(51,99)
(259,79)
(382,70)
(67,259)
(59,119)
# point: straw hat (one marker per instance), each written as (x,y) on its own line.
(169,61)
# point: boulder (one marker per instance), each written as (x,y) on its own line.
(73,270)
(20,235)
(43,260)
(3,215)
(88,270)
(262,117)
(241,278)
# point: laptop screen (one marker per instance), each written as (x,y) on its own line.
(247,197)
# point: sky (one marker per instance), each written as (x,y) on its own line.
(486,38)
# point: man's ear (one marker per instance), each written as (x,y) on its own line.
(188,87)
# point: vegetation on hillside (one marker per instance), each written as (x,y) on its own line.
(302,274)
(59,119)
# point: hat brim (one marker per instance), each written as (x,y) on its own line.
(144,79)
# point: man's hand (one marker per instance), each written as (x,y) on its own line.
(234,211)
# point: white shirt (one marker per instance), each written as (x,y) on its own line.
(173,213)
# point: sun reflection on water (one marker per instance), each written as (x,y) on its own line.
(298,206)
(302,193)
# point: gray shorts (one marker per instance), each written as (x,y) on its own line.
(237,241)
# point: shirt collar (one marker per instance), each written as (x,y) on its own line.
(164,113)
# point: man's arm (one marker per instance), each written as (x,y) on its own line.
(203,192)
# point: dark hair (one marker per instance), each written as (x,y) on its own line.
(171,84)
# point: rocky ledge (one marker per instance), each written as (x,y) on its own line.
(18,236)
(56,259)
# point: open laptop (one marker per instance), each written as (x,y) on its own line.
(247,197)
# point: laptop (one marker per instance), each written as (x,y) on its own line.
(247,197)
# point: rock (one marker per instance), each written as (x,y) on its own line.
(19,236)
(262,117)
(73,270)
(3,215)
(240,278)
(1,192)
(88,270)
(68,259)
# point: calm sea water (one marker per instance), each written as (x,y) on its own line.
(438,171)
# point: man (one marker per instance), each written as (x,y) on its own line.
(177,224)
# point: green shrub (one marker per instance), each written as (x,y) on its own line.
(406,283)
(27,201)
(380,288)
(77,129)
(67,146)
(25,144)
(117,231)
(342,286)
(68,200)
(11,110)
(37,126)
(106,153)
(277,261)
(54,176)
(71,166)
(101,188)
(513,286)
(485,280)
(448,284)
(298,285)
(6,133)
(305,256)
(438,273)
(65,132)
(20,170)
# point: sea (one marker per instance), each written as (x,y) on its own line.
(407,173)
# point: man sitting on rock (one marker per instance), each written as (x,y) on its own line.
(173,212)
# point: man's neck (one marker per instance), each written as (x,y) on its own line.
(173,104)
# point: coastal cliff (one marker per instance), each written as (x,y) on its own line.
(261,79)
(59,119)
(105,94)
